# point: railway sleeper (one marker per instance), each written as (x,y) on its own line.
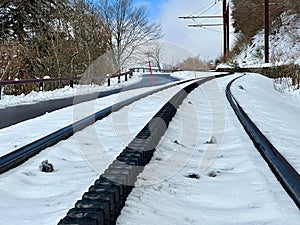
(129,179)
(112,188)
(111,185)
(94,214)
(77,221)
(120,181)
(104,204)
(103,196)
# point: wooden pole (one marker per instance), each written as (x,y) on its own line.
(224,30)
(266,31)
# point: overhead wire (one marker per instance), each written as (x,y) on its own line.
(200,9)
(210,5)
(203,10)
(216,13)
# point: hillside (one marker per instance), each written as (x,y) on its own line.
(248,23)
(284,44)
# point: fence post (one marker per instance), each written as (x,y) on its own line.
(0,91)
(297,68)
(108,79)
(126,77)
(71,83)
(119,78)
(41,86)
(298,75)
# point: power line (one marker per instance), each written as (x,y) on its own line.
(203,8)
(199,17)
(208,9)
(225,23)
(206,25)
(217,31)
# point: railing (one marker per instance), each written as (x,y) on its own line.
(71,80)
(126,74)
(147,69)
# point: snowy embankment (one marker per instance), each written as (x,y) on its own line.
(275,113)
(67,91)
(188,181)
(284,45)
(39,127)
(77,161)
(18,135)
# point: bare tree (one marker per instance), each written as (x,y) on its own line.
(128,28)
(88,34)
(193,63)
(155,52)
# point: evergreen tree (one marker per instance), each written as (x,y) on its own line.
(22,20)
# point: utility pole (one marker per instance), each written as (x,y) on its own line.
(224,30)
(225,24)
(266,31)
(227,28)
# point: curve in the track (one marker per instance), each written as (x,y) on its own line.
(285,173)
(16,114)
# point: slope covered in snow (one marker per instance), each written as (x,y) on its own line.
(284,44)
(67,91)
(258,97)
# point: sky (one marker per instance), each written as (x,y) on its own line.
(205,42)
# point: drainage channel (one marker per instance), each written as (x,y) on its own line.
(104,200)
(284,172)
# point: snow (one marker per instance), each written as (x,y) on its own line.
(224,66)
(235,185)
(284,44)
(258,96)
(242,191)
(67,91)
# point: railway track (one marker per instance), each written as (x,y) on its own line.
(284,172)
(104,200)
(138,152)
(19,156)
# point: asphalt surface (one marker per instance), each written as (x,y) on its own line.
(16,114)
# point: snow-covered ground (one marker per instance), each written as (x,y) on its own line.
(235,185)
(258,98)
(67,91)
(284,44)
(39,127)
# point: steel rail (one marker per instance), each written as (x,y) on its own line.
(284,172)
(19,156)
(104,200)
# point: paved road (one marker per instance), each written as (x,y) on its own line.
(16,114)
